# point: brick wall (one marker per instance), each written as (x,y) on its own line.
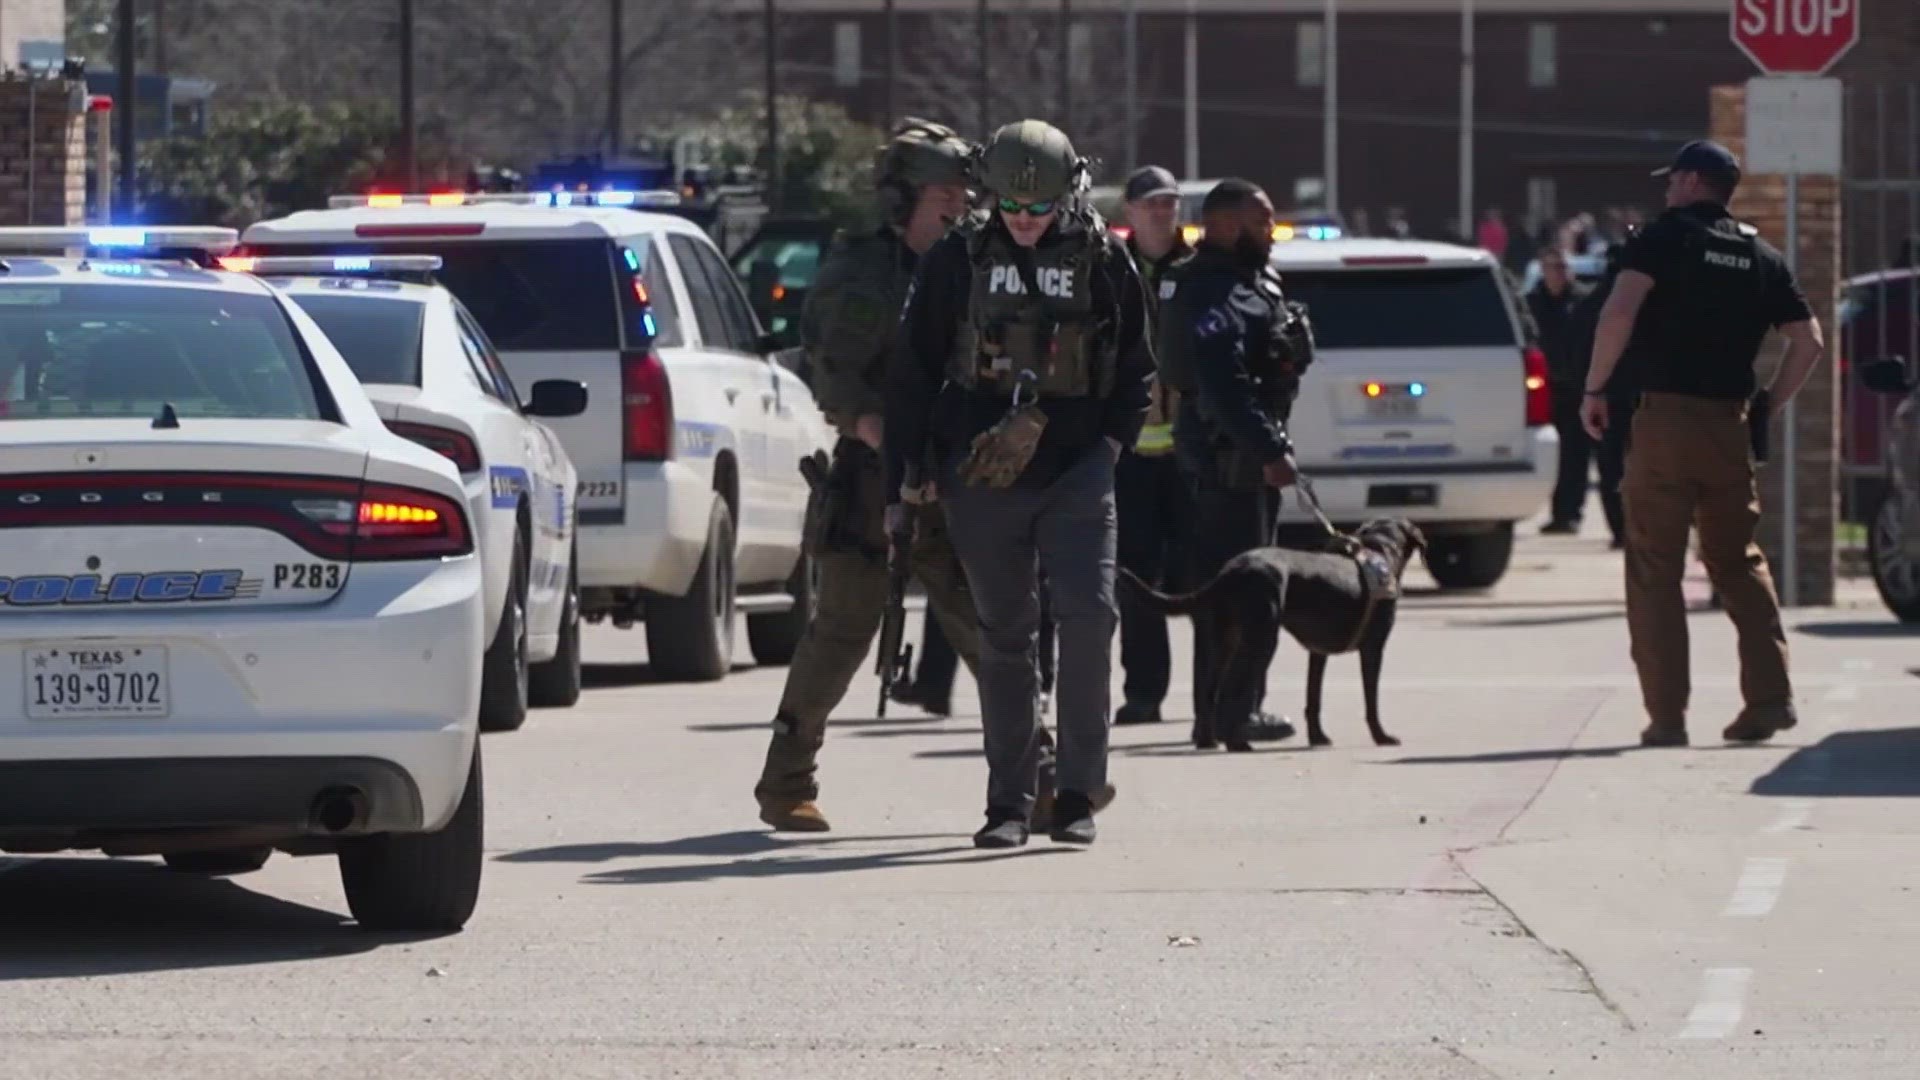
(1762,200)
(42,141)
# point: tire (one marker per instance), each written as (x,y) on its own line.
(1476,561)
(1896,577)
(504,675)
(555,684)
(775,638)
(690,638)
(419,881)
(227,861)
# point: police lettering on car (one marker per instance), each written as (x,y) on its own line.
(1696,294)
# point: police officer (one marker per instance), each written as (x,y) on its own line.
(1235,350)
(1024,370)
(1696,294)
(847,328)
(1154,501)
(1553,303)
(1610,454)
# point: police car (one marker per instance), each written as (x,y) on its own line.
(436,379)
(1426,400)
(691,505)
(237,613)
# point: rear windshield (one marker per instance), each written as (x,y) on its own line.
(380,337)
(529,295)
(1403,309)
(126,350)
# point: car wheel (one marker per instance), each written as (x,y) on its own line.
(1475,561)
(690,638)
(503,680)
(419,881)
(555,684)
(227,861)
(1894,575)
(775,638)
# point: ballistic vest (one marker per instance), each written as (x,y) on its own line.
(1030,313)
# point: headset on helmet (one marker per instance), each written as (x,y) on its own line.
(918,152)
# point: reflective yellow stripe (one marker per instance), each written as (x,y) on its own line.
(1154,439)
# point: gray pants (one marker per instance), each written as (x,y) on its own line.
(1004,536)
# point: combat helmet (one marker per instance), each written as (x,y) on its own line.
(1031,161)
(918,152)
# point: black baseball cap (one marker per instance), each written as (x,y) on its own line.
(1148,181)
(1706,157)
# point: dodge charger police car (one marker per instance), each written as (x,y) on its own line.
(237,613)
(436,379)
(692,507)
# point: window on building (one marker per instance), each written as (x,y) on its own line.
(846,53)
(1542,198)
(1543,55)
(1080,52)
(1310,53)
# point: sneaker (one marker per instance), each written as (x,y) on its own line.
(793,815)
(1001,832)
(1137,712)
(1073,819)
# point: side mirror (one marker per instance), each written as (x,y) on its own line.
(1888,376)
(769,343)
(762,277)
(557,397)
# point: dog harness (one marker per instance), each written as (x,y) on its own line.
(1377,581)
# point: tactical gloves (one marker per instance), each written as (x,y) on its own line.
(1001,453)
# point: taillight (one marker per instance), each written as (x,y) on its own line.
(646,408)
(446,442)
(389,522)
(1539,397)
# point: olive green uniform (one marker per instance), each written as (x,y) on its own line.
(847,328)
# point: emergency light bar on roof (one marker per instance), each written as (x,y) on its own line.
(329,265)
(394,200)
(124,241)
(1282,232)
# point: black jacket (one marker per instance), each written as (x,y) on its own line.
(1557,319)
(1233,321)
(927,414)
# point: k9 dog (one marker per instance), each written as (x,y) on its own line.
(1332,601)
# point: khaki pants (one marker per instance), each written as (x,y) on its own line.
(852,595)
(1689,465)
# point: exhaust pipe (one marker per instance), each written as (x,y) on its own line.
(337,810)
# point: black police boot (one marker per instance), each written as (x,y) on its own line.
(1263,727)
(1138,712)
(1002,830)
(909,693)
(1072,819)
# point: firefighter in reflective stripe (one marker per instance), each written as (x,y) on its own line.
(1153,499)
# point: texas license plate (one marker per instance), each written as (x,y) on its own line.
(1393,403)
(81,682)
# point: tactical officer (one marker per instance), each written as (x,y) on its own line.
(1235,349)
(1696,294)
(847,328)
(1154,502)
(1024,370)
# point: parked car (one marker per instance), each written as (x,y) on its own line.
(1893,532)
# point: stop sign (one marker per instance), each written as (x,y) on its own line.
(1795,37)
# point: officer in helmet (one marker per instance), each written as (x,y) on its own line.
(847,328)
(1025,368)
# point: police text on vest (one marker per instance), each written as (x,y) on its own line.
(1054,281)
(1728,259)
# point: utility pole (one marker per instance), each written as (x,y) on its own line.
(986,111)
(124,110)
(1330,152)
(616,72)
(776,179)
(893,64)
(1066,65)
(409,129)
(1466,120)
(1133,84)
(1193,95)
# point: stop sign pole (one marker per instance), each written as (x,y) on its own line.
(1793,127)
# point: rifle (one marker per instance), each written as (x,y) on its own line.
(895,660)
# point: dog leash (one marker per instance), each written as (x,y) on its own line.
(1305,484)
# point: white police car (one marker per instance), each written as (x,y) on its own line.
(236,611)
(436,379)
(692,508)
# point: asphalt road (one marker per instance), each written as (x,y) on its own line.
(1517,891)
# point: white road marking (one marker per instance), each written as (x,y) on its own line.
(1723,997)
(1843,693)
(1793,815)
(1758,889)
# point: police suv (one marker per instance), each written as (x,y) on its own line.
(436,379)
(1425,400)
(691,506)
(237,613)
